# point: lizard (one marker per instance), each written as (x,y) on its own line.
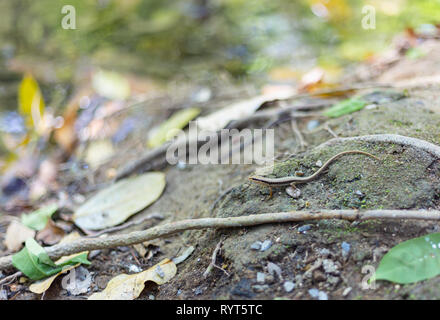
(293,180)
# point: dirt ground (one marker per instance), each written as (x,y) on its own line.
(327,255)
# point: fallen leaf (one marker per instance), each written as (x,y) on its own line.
(41,286)
(51,234)
(98,152)
(129,287)
(35,263)
(167,130)
(37,220)
(411,261)
(115,204)
(188,251)
(219,119)
(30,100)
(345,107)
(139,247)
(111,85)
(16,235)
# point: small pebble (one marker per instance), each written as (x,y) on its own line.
(346,291)
(151,297)
(312,124)
(289,286)
(94,253)
(345,249)
(260,287)
(273,269)
(324,252)
(134,269)
(179,292)
(359,194)
(266,245)
(371,106)
(318,163)
(160,272)
(314,293)
(322,295)
(295,193)
(261,277)
(304,228)
(256,245)
(329,266)
(198,291)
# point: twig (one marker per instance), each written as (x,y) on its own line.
(91,234)
(329,130)
(213,261)
(128,239)
(302,143)
(390,138)
(11,278)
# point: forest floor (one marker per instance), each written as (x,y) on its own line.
(328,255)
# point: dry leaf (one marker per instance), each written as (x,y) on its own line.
(219,119)
(98,152)
(116,203)
(139,247)
(51,234)
(42,285)
(16,235)
(129,287)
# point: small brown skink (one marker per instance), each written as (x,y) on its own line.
(293,180)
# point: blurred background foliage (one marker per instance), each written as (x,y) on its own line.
(185,37)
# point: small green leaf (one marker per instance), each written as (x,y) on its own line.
(411,261)
(37,220)
(34,262)
(345,107)
(169,128)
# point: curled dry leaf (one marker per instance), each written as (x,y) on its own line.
(51,234)
(116,203)
(129,287)
(16,235)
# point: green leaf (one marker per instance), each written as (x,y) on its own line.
(30,100)
(34,262)
(345,107)
(411,261)
(167,130)
(37,220)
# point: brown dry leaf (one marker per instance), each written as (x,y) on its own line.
(16,234)
(42,285)
(129,287)
(139,247)
(51,234)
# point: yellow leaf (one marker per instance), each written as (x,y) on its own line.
(129,287)
(167,130)
(30,101)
